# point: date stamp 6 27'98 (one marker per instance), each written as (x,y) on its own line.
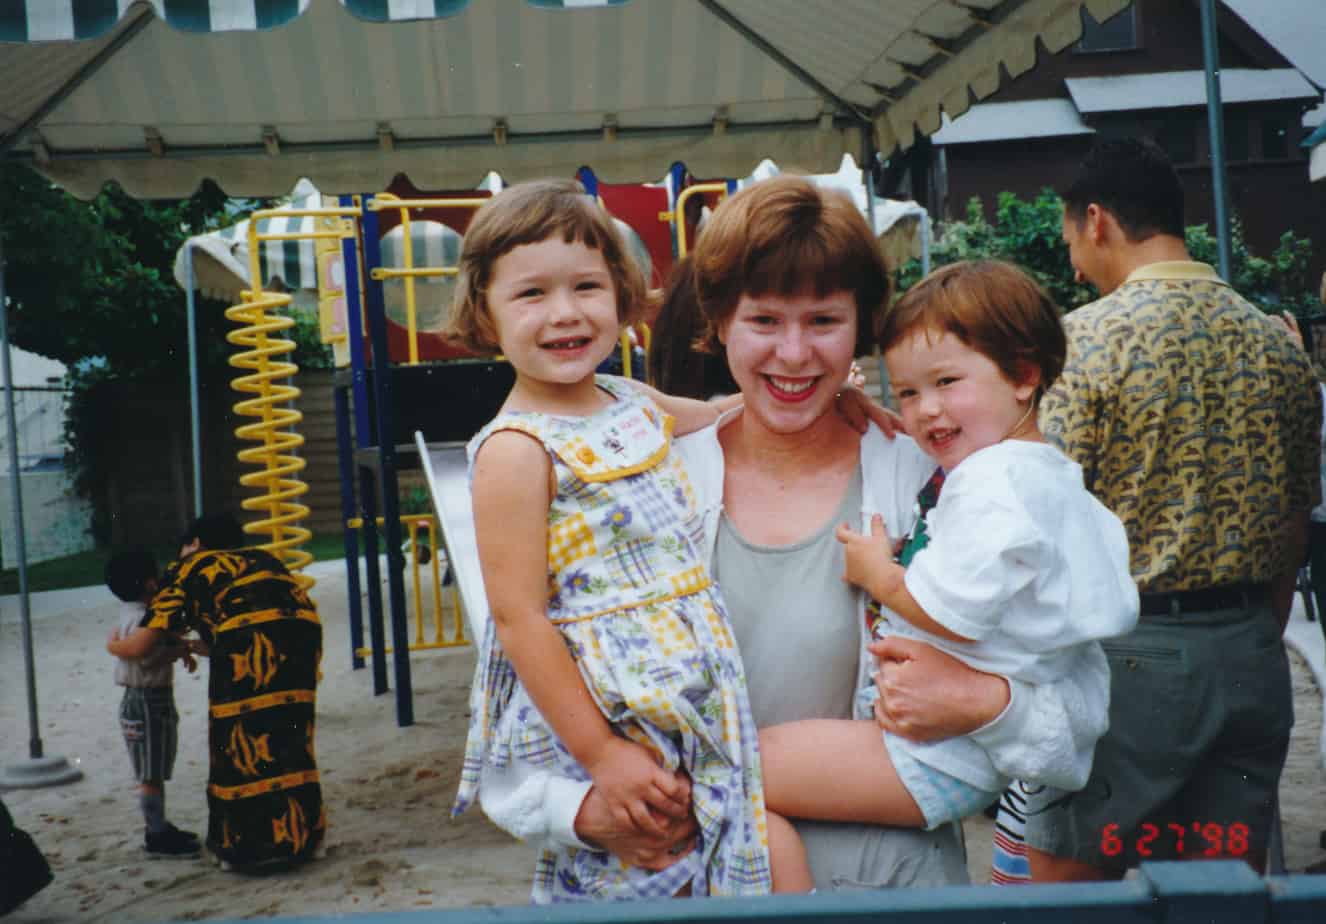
(1206,840)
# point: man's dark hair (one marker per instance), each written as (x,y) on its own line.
(128,572)
(1134,179)
(217,531)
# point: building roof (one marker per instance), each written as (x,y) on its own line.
(1036,118)
(1175,89)
(1295,28)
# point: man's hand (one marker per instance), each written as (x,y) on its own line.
(869,559)
(639,792)
(596,824)
(928,695)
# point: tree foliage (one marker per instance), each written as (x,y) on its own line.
(1029,234)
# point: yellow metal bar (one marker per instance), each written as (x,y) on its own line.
(626,354)
(679,213)
(386,272)
(305,213)
(384,201)
(418,589)
(300,235)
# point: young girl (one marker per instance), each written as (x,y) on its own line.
(609,651)
(1012,566)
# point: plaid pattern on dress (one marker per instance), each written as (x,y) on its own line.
(630,594)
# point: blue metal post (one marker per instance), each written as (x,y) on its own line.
(1216,122)
(588,180)
(677,174)
(346,466)
(375,306)
(353,399)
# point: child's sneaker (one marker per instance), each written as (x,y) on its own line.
(172,842)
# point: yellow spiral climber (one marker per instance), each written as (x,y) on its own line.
(268,382)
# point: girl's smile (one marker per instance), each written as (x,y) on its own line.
(555,310)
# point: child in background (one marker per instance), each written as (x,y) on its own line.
(147,711)
(1013,566)
(609,652)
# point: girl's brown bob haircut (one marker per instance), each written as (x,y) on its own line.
(528,213)
(993,307)
(785,236)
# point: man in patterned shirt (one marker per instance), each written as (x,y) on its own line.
(1194,419)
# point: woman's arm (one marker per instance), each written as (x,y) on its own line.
(1043,732)
(511,493)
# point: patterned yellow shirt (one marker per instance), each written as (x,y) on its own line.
(1195,419)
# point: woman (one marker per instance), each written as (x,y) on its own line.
(263,796)
(790,282)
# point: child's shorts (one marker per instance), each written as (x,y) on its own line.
(941,798)
(151,727)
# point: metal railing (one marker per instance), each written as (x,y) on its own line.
(430,623)
(1184,892)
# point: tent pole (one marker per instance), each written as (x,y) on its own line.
(1216,122)
(195,431)
(16,499)
(39,770)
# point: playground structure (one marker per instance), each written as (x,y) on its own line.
(379,405)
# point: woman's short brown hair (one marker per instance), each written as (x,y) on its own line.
(993,307)
(787,236)
(528,213)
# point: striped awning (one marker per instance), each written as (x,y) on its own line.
(221,257)
(349,93)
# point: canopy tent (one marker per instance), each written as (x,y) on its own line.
(159,95)
(350,93)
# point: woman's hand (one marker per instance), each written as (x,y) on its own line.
(675,835)
(928,695)
(1290,324)
(859,410)
(638,792)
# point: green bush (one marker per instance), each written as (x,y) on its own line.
(1029,234)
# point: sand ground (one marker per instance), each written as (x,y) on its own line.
(391,844)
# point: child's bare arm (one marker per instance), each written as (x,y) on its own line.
(511,493)
(137,644)
(690,415)
(870,566)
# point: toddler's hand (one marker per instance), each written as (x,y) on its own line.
(636,789)
(868,558)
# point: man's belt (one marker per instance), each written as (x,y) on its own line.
(1225,597)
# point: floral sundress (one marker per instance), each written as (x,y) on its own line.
(629,591)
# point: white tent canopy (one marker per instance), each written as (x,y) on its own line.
(258,93)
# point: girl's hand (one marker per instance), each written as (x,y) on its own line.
(869,558)
(859,410)
(637,790)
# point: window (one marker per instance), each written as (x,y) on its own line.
(1178,136)
(1118,33)
(1238,127)
(1275,139)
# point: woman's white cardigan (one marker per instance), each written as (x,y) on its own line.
(1047,732)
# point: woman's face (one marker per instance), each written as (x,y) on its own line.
(790,355)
